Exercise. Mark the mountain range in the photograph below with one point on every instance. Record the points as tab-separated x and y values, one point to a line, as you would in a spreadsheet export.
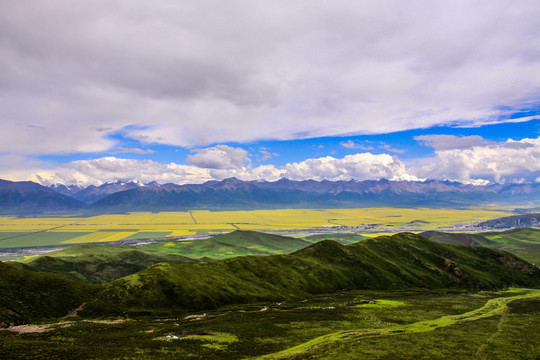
21	197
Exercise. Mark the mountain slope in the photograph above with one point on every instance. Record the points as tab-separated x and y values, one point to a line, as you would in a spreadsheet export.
99	263
516	221
524	242
29	197
27	296
399	262
236	243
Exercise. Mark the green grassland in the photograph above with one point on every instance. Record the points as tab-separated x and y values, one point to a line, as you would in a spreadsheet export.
484	325
342	238
390	297
98	263
523	242
28	296
40	238
236	243
401	261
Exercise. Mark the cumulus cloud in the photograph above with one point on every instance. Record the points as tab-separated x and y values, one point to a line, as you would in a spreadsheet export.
361	166
510	161
219	157
99	171
198	73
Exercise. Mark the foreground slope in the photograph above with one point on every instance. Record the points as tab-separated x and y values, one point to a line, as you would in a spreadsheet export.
236	243
402	261
27	296
99	263
524	242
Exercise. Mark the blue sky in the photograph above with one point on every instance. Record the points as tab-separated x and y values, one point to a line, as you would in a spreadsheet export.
190	92
282	152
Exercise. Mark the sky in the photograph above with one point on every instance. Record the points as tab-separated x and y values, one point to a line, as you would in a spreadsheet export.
191	91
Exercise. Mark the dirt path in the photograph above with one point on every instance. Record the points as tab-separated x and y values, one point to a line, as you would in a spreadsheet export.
493	307
75	311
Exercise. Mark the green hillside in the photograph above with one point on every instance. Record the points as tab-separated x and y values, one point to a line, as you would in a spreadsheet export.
523	242
342	238
27	296
402	261
99	263
236	243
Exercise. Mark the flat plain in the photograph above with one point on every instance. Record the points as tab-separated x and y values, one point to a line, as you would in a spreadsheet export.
43	230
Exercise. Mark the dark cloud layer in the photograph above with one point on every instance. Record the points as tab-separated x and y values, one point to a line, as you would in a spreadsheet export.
195	73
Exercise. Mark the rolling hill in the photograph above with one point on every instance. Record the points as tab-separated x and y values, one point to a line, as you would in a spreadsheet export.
236	243
523	242
98	263
402	261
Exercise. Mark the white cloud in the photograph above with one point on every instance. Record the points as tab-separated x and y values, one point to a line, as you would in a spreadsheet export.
17	167
176	73
359	166
264	155
219	157
510	161
350	144
133	151
446	142
393	149
99	171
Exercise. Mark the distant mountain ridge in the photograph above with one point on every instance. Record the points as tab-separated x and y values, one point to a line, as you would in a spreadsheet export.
93	193
235	194
29	197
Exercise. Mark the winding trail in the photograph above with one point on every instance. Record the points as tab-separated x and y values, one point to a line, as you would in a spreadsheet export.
493	307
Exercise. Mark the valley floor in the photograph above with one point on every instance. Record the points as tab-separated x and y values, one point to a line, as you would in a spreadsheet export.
399	325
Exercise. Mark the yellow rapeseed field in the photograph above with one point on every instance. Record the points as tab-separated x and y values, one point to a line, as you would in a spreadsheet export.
121	226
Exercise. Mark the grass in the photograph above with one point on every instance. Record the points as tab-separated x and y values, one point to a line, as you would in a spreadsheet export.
237	243
246	332
524	242
44	238
398	262
98	263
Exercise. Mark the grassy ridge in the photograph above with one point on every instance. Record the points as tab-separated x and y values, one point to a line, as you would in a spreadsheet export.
398	262
342	238
236	243
99	263
524	242
28	297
